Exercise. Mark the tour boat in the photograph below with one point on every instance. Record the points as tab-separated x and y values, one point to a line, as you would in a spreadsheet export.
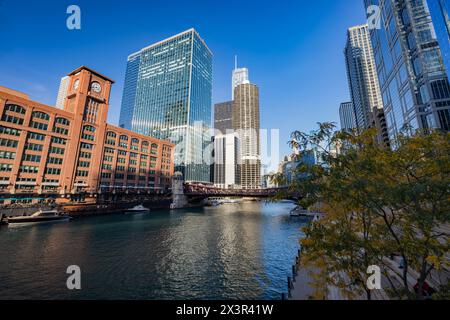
137	209
41	216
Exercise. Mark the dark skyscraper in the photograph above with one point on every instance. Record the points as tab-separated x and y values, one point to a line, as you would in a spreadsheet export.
223	117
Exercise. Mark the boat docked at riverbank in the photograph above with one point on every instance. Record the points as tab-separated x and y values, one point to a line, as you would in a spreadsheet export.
41	216
137	209
304	213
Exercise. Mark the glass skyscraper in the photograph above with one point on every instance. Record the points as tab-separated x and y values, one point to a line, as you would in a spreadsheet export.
168	95
362	76
412	76
440	12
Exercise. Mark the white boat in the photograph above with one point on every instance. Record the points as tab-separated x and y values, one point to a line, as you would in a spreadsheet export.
137	209
41	216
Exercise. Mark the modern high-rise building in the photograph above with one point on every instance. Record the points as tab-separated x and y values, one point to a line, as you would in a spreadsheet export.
362	75
227	161
347	116
246	121
62	92
223	117
412	76
168	95
440	13
239	76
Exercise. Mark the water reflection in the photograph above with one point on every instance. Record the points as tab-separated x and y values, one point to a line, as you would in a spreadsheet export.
235	251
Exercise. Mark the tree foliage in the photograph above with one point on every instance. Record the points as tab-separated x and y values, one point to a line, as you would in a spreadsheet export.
378	203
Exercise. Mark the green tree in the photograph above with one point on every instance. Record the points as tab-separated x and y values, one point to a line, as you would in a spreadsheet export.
378	202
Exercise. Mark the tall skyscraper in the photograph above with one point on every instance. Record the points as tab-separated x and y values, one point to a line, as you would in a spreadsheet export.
412	76
362	75
227	161
440	13
239	76
347	116
168	94
223	117
246	122
62	92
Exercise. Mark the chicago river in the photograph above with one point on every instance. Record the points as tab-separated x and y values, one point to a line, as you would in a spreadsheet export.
234	251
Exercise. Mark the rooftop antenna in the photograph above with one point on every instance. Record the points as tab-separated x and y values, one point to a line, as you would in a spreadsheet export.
235	62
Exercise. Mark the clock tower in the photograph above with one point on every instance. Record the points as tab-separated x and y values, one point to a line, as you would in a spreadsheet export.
88	99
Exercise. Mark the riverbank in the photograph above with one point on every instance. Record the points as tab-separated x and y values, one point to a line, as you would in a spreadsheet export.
81	210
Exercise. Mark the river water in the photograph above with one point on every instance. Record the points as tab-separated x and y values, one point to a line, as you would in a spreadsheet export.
234	251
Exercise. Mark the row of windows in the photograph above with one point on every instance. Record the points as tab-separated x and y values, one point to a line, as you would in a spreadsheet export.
8	143
28	169
7	155
59	140
31	157
54	171
14	108
5	167
36	136
39	125
53	160
10	131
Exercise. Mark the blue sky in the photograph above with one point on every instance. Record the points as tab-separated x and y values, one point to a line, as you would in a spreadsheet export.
294	49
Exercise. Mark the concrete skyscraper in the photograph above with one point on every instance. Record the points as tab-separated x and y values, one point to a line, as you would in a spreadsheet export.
246	121
362	75
62	92
412	75
168	95
347	116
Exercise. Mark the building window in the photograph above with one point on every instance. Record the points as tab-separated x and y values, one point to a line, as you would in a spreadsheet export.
59	140
28	169
53	171
62	121
15	108
57	150
8	143
10	131
53	160
33	147
7	155
85	145
40	115
5	167
12	119
31	158
36	136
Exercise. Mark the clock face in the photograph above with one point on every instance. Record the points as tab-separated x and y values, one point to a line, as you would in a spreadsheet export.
76	84
96	87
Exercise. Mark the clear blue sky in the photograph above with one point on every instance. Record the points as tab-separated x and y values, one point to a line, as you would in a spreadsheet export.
294	49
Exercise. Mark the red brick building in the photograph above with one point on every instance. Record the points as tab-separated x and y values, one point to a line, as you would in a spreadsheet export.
73	154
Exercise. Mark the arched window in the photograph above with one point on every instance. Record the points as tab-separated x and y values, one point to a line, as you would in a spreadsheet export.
123	138
40	115
135	141
89	129
15	108
111	134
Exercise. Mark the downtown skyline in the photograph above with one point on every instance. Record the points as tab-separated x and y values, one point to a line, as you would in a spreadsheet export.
302	47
